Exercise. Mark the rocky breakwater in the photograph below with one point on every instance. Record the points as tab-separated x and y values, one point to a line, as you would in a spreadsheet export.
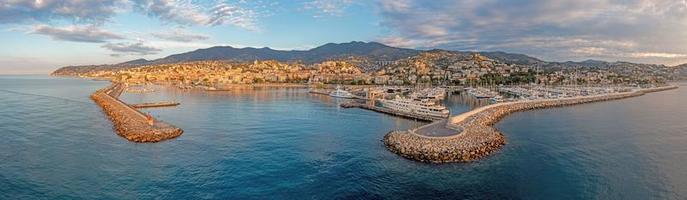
478	138
131	123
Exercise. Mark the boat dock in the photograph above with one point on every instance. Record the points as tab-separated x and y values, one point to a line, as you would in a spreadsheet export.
130	123
372	107
155	104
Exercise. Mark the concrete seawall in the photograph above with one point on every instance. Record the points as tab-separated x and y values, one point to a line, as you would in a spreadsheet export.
129	122
478	138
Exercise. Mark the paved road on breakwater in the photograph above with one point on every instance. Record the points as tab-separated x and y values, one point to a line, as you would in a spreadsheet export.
438	129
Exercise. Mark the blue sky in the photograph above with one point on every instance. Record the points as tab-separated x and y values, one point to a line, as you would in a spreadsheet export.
39	36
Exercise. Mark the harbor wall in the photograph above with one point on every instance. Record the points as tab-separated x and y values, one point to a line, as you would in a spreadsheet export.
478	138
131	123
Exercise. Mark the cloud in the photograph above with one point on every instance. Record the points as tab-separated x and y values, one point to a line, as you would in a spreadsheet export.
396	41
90	34
179	35
96	11
137	48
176	44
658	55
553	30
182	12
328	7
395	6
233	15
189	13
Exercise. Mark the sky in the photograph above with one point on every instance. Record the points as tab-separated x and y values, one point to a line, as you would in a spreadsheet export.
38	36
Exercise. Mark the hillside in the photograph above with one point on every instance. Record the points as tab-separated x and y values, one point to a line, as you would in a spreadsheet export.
512	58
369	50
368	56
363	52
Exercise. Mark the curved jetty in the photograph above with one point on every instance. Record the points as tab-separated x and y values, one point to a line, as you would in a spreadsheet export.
130	123
474	136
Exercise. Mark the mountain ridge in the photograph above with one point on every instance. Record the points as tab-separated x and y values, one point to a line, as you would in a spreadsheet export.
370	51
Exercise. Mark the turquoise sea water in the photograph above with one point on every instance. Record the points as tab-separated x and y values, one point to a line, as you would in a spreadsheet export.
288	144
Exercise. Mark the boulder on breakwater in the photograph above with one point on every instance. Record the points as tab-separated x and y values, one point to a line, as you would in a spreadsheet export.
478	138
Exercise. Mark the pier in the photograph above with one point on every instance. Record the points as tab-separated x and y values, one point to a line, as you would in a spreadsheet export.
372	107
474	136
130	123
155	104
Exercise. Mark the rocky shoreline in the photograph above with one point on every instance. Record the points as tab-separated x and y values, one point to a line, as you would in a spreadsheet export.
478	138
131	123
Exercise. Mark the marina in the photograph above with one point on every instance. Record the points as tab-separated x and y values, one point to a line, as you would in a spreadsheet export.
343	99
474	137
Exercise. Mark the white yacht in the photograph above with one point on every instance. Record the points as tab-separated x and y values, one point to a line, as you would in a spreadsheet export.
423	107
340	93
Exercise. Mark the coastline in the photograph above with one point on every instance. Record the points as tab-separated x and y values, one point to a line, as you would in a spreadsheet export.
129	122
478	138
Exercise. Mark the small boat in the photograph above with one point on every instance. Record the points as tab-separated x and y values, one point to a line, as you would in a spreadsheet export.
497	99
482	93
340	93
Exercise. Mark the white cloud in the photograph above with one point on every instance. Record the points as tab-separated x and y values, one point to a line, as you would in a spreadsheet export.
176	44
93	11
395	6
179	35
328	7
137	48
231	14
658	55
396	41
190	13
97	12
92	34
553	30
591	51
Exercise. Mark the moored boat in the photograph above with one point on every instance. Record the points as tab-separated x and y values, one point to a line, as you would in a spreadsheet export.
341	93
423	107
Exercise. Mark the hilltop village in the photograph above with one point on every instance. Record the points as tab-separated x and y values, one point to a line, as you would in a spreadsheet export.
427	68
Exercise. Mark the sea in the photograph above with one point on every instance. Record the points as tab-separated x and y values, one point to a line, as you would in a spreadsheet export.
284	143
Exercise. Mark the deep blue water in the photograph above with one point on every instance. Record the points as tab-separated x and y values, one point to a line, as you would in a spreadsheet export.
287	144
